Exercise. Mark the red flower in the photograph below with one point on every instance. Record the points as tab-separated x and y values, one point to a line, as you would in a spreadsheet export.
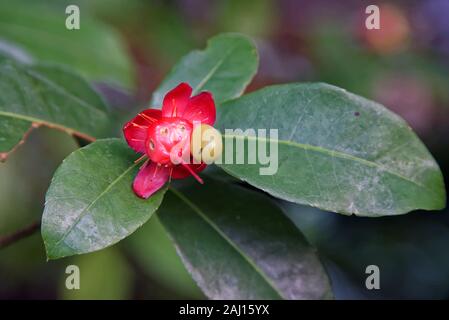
164	137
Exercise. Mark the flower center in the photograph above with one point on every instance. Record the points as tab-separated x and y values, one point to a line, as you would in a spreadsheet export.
168	138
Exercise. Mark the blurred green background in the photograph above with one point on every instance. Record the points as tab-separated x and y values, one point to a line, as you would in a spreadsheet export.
127	46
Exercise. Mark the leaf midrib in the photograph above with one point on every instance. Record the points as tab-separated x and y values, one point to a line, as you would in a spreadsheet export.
60	90
85	210
203	216
333	153
213	70
46	123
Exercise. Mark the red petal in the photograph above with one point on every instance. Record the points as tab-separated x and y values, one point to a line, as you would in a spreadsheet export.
201	108
136	130
179	172
175	101
150	179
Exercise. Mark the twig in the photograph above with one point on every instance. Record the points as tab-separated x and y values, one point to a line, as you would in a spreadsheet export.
19	234
4	155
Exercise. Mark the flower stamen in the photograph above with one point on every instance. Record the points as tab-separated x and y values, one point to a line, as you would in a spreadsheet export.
144	164
143	115
140	158
193	173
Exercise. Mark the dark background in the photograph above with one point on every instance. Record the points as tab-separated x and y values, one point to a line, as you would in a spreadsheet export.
403	66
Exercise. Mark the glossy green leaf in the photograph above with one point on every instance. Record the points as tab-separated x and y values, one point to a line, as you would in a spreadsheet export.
75	84
90	203
237	244
12	132
51	95
95	49
224	68
336	151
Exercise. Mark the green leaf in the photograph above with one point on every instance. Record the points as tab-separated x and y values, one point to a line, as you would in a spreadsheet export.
95	49
337	151
12	132
90	203
75	84
224	68
237	244
51	95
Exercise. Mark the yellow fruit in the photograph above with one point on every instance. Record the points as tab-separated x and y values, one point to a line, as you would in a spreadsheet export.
206	144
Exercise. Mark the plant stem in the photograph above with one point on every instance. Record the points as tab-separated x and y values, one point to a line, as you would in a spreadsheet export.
19	234
4	155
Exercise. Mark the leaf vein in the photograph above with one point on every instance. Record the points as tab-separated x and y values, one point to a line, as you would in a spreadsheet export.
202	215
